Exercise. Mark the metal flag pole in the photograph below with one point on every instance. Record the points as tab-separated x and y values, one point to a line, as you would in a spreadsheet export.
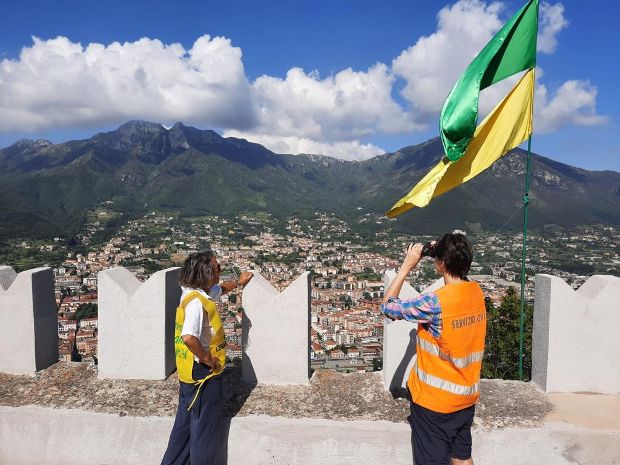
526	202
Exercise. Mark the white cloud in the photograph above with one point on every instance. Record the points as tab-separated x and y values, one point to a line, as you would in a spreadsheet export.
433	64
58	83
345	106
345	150
574	102
552	21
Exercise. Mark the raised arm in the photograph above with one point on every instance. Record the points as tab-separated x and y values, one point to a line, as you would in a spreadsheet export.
412	258
423	309
229	286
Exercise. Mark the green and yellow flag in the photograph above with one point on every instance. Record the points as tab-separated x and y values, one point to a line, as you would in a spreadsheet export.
469	149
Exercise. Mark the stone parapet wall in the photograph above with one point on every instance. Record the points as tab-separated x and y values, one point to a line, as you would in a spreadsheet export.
575	343
136	326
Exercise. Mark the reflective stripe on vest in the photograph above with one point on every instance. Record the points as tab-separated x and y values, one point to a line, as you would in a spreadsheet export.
459	362
444	385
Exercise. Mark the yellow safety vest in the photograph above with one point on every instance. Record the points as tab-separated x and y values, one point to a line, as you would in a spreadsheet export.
184	357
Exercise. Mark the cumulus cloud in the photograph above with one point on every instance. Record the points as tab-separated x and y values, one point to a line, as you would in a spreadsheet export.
433	64
574	102
345	150
58	83
552	21
304	113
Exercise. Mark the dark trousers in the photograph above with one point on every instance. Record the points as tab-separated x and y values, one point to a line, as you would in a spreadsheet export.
435	437
195	436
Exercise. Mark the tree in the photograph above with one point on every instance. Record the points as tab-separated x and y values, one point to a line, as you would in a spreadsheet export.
486	270
85	311
346	299
501	356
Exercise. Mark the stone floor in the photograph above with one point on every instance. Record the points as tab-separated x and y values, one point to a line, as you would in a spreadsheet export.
330	395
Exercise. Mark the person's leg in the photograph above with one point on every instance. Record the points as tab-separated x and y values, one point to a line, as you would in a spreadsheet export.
177	452
206	423
460	451
454	461
430	444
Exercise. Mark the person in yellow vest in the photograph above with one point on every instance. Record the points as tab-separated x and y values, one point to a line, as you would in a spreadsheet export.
200	352
444	381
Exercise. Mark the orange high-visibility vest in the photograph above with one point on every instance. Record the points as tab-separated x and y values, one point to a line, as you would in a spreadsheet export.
446	375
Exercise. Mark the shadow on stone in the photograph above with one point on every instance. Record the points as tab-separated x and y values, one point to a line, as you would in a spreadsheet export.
248	375
236	393
239	382
396	384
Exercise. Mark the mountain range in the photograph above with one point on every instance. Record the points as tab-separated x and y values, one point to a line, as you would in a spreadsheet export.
46	189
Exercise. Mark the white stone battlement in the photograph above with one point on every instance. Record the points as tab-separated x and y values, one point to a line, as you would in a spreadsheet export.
575	343
276	332
136	324
338	418
28	308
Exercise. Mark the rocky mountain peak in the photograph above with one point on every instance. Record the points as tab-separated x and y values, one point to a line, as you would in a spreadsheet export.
29	144
137	127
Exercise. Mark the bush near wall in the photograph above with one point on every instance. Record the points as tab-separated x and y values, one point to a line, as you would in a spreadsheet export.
501	356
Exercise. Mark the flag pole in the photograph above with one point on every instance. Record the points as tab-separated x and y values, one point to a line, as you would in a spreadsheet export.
526	202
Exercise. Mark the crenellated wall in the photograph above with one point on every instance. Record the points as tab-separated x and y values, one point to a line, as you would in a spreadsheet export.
575	342
28	317
136	324
575	348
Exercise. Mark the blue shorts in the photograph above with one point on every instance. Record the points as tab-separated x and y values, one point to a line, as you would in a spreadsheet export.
435	437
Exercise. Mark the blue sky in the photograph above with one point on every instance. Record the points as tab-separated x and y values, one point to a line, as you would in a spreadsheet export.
346	78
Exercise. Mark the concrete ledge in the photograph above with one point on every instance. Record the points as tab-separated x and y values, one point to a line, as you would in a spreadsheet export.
336	419
37	435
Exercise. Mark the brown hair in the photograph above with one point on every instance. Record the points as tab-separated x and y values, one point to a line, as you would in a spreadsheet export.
456	253
197	271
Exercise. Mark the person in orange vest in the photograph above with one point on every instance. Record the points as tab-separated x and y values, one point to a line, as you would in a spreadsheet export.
200	353
444	381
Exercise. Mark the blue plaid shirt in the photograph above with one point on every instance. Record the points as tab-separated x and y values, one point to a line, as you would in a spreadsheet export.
424	310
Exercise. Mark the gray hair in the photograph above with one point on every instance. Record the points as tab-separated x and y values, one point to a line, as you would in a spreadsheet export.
197	271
